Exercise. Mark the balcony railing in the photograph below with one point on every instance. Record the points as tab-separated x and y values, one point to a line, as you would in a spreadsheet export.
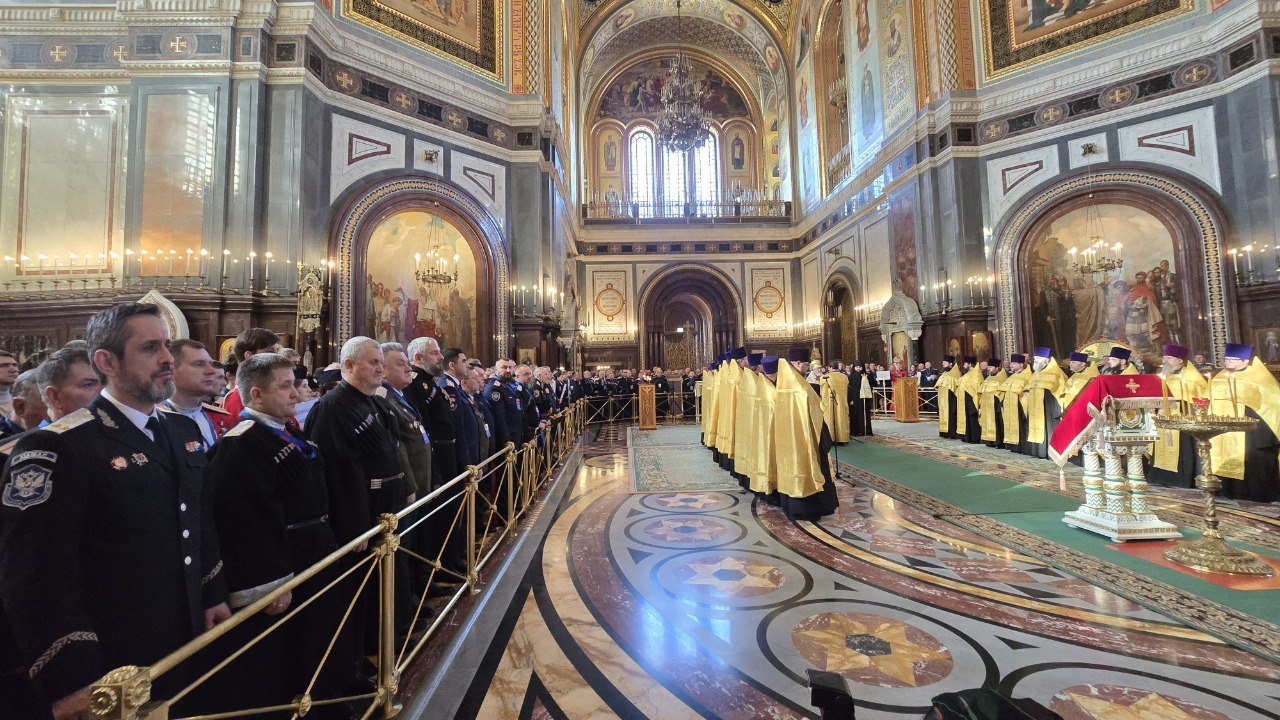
622	212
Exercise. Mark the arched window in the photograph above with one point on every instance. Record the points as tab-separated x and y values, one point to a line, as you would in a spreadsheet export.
640	156
675	181
706	175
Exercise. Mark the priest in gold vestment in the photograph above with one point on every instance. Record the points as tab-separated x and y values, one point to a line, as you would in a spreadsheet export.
727	406
1173	460
968	427
835	405
801	444
744	437
1082	373
1118	363
1042	402
709	404
948	385
1247	461
764	472
1015	419
989	405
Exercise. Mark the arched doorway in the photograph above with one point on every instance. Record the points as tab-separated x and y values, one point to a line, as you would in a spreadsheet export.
1163	285
376	238
839	320
687	314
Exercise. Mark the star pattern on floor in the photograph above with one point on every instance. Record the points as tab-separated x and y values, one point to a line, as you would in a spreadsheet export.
851	642
685	530
691	501
734	576
1152	706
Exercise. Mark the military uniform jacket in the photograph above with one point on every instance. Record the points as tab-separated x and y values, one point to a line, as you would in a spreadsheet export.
529	429
271	505
425	395
415	441
660	384
484	421
106	546
362	459
508	412
542	398
464	420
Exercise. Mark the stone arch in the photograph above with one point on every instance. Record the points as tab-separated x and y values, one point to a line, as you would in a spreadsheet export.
374	202
841	293
1192	217
711	285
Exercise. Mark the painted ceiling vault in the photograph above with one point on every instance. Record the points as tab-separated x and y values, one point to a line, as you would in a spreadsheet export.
777	12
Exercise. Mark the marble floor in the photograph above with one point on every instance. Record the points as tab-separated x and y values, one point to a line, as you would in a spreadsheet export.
706	604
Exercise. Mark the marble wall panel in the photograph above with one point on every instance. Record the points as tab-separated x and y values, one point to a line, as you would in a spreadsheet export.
178	166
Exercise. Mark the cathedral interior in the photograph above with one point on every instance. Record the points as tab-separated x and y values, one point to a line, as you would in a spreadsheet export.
600	185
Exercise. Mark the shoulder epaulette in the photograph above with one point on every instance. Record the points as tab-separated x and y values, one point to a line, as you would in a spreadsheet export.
239	428
215	408
75	419
380	392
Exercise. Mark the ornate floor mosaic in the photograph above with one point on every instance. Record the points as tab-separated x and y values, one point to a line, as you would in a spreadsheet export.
705	604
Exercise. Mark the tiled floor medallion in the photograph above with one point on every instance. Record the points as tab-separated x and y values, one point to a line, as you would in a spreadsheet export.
872	649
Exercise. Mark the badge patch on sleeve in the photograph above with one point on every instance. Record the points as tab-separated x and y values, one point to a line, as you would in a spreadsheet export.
28	486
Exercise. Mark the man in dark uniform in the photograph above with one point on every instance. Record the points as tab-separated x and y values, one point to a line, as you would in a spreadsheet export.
529	428
101	574
662	387
505	403
271	505
464	419
861	401
474	384
542	396
415	459
426	396
362	467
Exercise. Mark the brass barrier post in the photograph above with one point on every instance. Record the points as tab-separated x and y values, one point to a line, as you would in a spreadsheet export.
526	487
388	678
473	486
509	469
120	694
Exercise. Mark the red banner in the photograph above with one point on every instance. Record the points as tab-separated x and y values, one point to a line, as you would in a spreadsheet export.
1080	421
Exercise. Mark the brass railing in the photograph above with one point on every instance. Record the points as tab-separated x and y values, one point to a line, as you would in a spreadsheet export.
672	406
482	520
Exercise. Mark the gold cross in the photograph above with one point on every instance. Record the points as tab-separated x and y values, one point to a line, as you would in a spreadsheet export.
58	53
991	131
178	44
345	80
1133	386
1051	113
1118	95
404	100
121	53
1194	74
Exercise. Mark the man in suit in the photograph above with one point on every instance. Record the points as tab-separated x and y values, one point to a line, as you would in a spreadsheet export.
195	381
102	574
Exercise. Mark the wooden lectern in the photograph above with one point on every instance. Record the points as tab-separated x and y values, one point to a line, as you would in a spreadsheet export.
648	407
906	400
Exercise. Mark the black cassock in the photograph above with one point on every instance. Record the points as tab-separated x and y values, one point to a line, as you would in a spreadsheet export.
860	408
972	427
820	504
1052	416
271	506
1261	481
999	413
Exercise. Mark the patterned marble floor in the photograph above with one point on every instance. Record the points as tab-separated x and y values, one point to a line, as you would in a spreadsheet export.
709	605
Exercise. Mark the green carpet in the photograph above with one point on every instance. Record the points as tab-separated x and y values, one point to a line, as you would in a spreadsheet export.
1039	513
672	459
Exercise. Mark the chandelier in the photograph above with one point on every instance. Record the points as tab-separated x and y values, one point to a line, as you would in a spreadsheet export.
1098	257
432	269
682	122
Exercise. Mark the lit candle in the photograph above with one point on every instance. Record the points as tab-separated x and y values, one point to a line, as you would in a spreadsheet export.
56	259
187	271
266	280
329	282
42	257
1235	262
561	306
111	257
223	272
252	256
172	253
1118	247
128	254
204	259
417	262
991	291
1248	259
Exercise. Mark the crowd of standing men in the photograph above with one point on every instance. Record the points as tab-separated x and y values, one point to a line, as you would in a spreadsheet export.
149	491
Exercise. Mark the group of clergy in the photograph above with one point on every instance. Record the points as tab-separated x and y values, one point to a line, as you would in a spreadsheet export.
979	402
765	425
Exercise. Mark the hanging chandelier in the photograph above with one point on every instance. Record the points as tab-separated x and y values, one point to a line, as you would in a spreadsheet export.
1098	257
682	122
432	269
